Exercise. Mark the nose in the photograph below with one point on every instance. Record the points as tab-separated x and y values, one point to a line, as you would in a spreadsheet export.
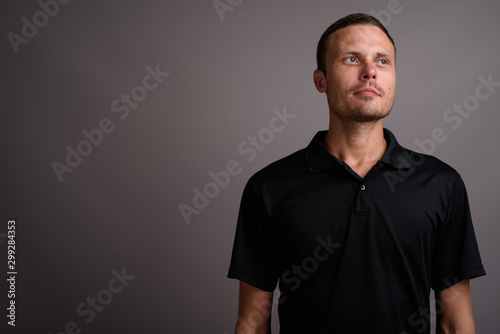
369	72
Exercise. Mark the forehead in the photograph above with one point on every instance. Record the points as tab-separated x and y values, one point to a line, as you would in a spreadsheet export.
361	38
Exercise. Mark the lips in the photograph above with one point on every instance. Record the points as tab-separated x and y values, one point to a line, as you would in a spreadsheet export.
366	92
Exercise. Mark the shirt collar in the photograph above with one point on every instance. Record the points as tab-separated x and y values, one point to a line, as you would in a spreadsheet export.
319	159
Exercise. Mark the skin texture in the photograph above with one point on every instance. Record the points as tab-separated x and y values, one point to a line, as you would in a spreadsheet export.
253	310
454	310
359	83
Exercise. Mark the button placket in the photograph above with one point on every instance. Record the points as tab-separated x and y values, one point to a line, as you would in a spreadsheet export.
361	200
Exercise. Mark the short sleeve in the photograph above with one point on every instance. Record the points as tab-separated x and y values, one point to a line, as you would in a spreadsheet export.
254	256
456	253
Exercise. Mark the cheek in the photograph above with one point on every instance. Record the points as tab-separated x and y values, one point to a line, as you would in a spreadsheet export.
390	86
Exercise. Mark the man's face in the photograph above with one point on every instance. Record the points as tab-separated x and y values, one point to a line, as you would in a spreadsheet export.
360	74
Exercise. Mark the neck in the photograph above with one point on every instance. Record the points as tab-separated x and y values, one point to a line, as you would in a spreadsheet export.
359	144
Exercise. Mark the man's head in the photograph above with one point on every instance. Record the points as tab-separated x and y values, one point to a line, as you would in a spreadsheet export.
356	68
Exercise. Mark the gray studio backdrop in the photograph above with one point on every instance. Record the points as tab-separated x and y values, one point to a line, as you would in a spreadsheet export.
129	129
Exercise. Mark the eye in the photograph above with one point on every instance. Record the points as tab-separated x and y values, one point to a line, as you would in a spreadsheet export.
350	60
383	61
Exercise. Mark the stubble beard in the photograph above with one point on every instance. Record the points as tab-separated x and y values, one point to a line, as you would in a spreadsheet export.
365	114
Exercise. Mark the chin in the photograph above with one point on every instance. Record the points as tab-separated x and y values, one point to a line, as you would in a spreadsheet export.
362	114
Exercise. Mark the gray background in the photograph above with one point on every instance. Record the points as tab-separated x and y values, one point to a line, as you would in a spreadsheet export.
119	207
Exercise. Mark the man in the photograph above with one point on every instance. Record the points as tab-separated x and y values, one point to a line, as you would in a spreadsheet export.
356	228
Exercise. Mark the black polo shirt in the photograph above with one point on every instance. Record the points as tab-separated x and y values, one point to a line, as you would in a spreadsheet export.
351	254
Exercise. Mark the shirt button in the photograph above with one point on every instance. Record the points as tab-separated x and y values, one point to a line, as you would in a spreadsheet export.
363	187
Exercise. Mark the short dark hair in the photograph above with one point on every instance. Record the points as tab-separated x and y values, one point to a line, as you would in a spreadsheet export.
349	20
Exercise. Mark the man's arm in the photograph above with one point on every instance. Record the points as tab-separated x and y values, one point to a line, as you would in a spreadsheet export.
254	309
455	311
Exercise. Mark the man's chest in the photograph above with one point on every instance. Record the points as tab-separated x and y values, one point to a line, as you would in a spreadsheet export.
364	215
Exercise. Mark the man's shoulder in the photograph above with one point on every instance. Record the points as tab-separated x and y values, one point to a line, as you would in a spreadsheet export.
410	162
296	165
430	165
429	161
291	165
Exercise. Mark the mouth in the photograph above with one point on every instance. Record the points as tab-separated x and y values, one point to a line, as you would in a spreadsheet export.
367	92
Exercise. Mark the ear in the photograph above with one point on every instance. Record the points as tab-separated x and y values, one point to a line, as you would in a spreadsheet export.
319	81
